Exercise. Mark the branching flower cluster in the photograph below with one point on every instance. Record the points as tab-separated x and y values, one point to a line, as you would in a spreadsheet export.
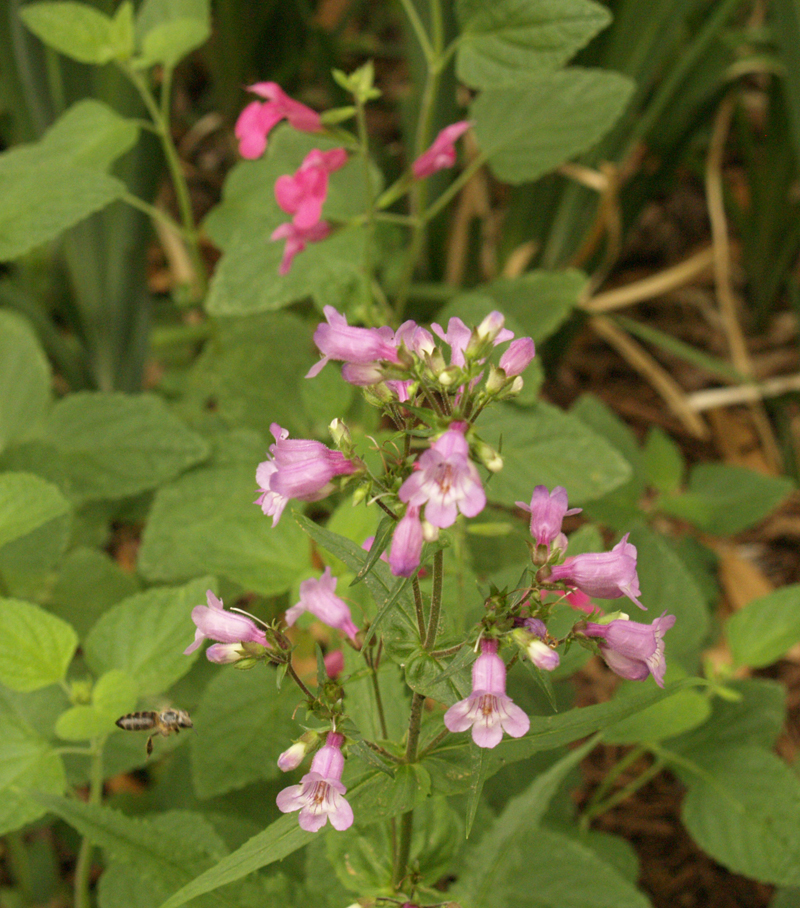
431	385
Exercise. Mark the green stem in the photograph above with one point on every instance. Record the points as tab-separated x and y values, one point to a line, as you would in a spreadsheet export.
155	213
376	687
369	239
436	600
296	678
434	743
621	795
613	774
419	608
407	820
455	187
83	866
419	29
20	865
160	117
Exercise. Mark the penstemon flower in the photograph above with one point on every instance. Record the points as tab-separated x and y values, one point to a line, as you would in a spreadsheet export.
230	629
604	575
445	480
318	597
633	650
340	341
518	356
487	710
531	640
298	468
548	510
320	795
406	544
258	118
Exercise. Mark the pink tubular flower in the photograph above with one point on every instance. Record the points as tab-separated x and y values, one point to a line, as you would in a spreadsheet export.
456	337
257	120
581	602
334	663
214	623
445	480
548	510
319	598
304	193
487	710
406	544
531	639
297	238
606	575
320	795
298	468
632	650
518	356
442	153
338	340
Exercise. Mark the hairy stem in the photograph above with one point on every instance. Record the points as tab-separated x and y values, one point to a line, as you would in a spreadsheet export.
436	600
407	821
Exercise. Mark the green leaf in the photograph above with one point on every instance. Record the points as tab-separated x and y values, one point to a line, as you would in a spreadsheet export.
176	849
122	30
480	766
766	628
145	636
746	814
115	445
206	521
505	42
243	724
447	681
77	30
74	153
34	211
27	762
544	446
36	648
167	30
528	130
663	461
499	869
449	765
246	280
113	695
26	503
24	380
251	372
88	583
724	499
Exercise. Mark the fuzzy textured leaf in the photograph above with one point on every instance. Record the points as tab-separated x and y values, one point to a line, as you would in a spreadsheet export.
26	503
36	648
766	628
24	380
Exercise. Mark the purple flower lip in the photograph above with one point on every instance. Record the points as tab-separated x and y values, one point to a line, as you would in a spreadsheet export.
633	650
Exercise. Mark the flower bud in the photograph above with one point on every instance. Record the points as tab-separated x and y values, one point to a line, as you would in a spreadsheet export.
488	456
290	759
541	655
341	435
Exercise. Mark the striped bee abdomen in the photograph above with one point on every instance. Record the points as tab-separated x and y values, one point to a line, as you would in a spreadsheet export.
137	721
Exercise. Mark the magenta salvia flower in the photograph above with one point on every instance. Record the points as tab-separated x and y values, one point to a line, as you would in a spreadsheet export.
214	623
445	480
338	340
303	194
487	710
297	238
320	795
606	575
406	544
633	650
548	510
318	597
442	153
298	468
518	356
257	120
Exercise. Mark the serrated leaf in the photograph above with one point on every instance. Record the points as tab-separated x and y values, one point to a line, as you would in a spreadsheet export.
24	380
77	30
243	726
26	503
761	632
145	636
115	445
526	131
207	521
36	648
724	499
27	762
505	42
745	815
544	446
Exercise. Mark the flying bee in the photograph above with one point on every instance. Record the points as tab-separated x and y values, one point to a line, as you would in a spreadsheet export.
164	723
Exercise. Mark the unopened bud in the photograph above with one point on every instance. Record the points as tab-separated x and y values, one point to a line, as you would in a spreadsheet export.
449	376
290	759
488	330
512	389
488	456
541	655
430	533
341	436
